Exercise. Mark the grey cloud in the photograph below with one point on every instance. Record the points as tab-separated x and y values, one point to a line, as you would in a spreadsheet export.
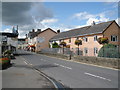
16	13
27	15
24	12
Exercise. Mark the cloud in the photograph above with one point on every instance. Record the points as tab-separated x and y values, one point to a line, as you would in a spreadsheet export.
82	15
118	21
90	17
47	21
16	13
8	30
24	12
27	15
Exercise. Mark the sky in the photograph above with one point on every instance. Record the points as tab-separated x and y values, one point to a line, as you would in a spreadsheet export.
55	15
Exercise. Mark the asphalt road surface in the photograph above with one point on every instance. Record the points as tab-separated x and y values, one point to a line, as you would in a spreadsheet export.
72	74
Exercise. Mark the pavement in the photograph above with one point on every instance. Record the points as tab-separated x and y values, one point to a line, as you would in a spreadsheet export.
72	74
22	75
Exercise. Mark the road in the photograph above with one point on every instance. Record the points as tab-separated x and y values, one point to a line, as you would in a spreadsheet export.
21	75
72	74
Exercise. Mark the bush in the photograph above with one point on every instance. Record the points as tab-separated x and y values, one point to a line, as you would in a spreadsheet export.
110	51
55	45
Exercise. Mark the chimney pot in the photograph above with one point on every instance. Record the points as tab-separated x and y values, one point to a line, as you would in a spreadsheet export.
93	23
33	30
39	30
58	31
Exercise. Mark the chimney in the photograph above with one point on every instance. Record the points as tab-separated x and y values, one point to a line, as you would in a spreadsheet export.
39	30
93	23
33	30
58	31
17	27
26	35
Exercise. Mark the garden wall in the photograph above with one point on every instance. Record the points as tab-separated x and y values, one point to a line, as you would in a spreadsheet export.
107	62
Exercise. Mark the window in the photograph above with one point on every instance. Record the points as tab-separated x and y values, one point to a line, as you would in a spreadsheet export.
85	39
86	50
95	38
70	40
95	50
77	38
114	38
59	40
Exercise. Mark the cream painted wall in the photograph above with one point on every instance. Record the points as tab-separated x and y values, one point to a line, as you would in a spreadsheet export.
90	44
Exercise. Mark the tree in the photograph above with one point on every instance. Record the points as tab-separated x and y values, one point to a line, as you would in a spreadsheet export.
78	42
110	51
63	44
55	45
103	41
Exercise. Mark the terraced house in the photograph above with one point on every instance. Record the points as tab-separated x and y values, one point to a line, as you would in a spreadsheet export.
38	40
89	36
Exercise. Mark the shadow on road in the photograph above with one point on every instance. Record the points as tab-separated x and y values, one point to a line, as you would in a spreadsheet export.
36	66
5	67
22	54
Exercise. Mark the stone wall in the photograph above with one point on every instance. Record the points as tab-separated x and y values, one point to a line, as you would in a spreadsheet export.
107	62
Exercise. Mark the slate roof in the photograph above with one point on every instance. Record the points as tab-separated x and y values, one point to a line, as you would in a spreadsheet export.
34	34
87	30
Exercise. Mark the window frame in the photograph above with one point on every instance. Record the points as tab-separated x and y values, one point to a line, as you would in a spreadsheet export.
95	37
85	39
86	49
69	40
95	50
114	38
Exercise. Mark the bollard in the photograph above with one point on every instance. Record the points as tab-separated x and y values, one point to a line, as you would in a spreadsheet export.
69	57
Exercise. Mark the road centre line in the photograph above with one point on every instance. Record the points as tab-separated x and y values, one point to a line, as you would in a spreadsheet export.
97	76
63	66
25	62
42	59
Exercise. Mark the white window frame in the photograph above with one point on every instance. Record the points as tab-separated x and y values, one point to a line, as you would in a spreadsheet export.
77	38
95	37
85	39
86	50
69	40
95	50
114	36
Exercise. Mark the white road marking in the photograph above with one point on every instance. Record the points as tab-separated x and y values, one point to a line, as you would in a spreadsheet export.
25	62
62	66
97	76
31	64
56	64
42	59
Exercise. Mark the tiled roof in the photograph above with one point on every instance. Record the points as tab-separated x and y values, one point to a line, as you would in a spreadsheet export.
87	30
34	34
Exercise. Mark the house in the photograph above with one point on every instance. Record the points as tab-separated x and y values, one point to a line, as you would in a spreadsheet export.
89	36
9	41
40	39
21	43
